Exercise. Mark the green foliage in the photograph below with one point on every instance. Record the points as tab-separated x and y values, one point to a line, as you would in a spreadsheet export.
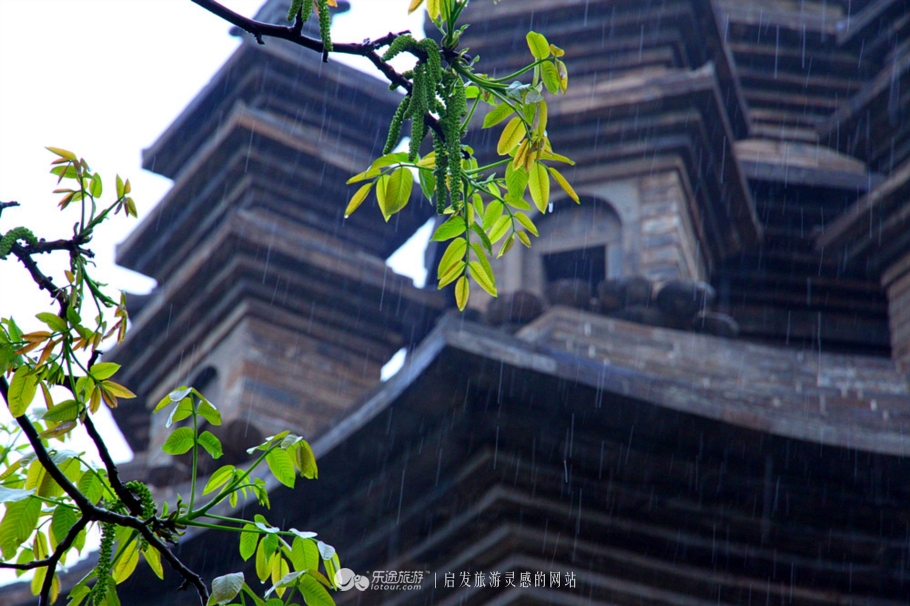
44	520
442	82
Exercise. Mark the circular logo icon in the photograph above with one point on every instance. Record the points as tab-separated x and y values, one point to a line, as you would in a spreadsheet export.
346	579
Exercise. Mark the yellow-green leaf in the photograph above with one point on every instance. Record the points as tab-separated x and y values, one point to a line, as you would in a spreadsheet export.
62	153
550	77
538	44
357	199
396	193
454	253
434	8
450	276
281	467
126	562
497	115
523	236
219	478
448	230
511	136
563	184
118	390
500	228
154	561
249	539
485	280
539	185
526	222
179	442
367	174
262	563
305	460
507	245
22	391
462	292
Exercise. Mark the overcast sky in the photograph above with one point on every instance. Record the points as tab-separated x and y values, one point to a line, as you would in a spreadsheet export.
103	78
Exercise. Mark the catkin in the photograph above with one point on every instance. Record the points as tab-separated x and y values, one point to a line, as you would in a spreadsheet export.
325	25
439	172
395	127
17	233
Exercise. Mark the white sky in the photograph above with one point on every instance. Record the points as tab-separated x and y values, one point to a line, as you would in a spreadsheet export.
103	78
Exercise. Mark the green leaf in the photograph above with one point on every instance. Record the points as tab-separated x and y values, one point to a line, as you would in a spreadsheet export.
67	410
21	391
18	523
211	443
492	213
484	280
396	193
484	238
538	44
497	115
451	275
305	460
462	292
511	136
179	442
249	539
539	185
448	230
209	412
516	182
506	245
54	322
563	184
484	262
96	186
526	222
262	563
104	370
357	199
367	174
500	228
389	159
62	520
523	236
281	467
304	554
550	77
314	594
454	253
427	183
181	411
13	495
225	588
154	561
221	476
90	486
126	562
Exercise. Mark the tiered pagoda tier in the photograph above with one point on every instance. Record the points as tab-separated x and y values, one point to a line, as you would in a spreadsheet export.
267	299
710	128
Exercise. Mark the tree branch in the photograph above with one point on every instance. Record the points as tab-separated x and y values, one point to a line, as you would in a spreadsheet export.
93	513
294	34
